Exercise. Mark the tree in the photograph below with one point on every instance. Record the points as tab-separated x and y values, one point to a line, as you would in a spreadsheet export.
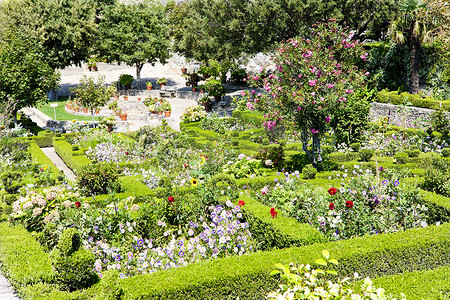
419	23
65	28
93	95
135	33
25	74
221	30
311	84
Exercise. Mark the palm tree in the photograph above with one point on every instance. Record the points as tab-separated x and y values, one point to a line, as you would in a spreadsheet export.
409	28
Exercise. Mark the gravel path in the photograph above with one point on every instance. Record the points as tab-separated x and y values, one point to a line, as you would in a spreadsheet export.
6	291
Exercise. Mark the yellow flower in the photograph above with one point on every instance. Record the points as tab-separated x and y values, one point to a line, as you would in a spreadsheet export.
85	122
203	160
45	167
194	182
74	120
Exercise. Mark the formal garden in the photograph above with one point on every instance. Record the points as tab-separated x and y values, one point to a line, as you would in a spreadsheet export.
302	192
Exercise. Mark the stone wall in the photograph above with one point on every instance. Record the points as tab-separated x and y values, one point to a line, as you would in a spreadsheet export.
405	116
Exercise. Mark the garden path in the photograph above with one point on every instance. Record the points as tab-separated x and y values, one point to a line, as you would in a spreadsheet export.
54	157
6	291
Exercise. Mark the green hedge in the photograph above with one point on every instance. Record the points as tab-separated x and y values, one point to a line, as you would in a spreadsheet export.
23	259
247	277
279	232
72	159
44	139
395	98
431	284
132	186
438	207
249	116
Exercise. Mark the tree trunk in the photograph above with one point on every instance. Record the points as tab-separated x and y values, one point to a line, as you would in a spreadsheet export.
139	66
415	60
15	117
314	156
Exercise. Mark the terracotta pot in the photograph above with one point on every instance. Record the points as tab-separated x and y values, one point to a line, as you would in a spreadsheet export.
149	88
123	117
77	109
125	98
139	98
97	111
85	110
194	89
116	97
153	111
159	113
183	70
167	114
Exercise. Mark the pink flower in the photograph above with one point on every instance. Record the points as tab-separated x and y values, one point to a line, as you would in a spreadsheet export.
314	131
330	86
312	82
300	76
327	119
349	91
265	190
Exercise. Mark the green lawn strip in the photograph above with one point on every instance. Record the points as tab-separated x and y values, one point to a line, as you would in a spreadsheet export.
23	259
418	285
62	114
248	277
40	158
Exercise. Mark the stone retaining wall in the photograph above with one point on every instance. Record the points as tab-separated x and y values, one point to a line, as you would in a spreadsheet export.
405	116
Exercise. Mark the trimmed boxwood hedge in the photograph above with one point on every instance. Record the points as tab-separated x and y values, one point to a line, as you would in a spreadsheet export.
430	284
247	277
71	158
395	98
279	232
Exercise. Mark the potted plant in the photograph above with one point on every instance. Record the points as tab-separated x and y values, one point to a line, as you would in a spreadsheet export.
183	70
215	88
85	110
112	105
107	122
125	97
118	111
159	108
149	85
201	88
126	80
92	64
162	82
97	110
167	109
205	101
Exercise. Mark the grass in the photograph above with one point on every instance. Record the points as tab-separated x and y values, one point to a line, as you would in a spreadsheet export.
61	113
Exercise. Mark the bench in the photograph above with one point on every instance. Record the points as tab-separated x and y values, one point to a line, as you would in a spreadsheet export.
167	93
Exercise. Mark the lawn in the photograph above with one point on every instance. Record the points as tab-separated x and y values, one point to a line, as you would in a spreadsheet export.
61	113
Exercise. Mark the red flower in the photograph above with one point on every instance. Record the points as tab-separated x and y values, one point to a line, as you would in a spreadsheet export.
273	212
349	204
331	206
170	199
241	203
332	191
78	204
126	153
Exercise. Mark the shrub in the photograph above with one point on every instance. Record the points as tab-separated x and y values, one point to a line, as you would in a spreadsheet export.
272	156
193	114
401	158
437	178
355	146
98	179
296	162
338	157
413	153
446	152
309	172
365	154
74	267
327	149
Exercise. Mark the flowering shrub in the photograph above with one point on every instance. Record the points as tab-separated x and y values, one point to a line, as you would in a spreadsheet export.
243	167
225	234
35	209
304	282
312	81
193	114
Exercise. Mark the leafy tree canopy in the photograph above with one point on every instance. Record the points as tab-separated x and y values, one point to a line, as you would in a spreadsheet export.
134	33
217	29
25	74
65	28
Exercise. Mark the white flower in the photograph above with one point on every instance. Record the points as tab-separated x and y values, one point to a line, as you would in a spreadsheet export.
27	205
268	162
37	211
